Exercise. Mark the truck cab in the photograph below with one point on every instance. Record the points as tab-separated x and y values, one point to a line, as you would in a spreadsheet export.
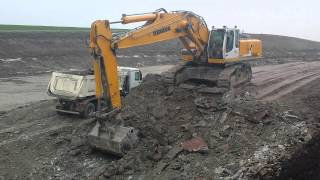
128	79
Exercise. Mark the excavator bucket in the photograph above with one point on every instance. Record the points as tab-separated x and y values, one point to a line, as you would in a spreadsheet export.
114	140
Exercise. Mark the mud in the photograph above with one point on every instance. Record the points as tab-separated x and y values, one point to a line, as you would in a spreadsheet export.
273	82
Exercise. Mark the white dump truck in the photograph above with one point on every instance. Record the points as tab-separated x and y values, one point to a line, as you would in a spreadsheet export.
75	90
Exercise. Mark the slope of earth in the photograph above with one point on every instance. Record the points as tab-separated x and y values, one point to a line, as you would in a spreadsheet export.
29	53
304	164
281	49
245	139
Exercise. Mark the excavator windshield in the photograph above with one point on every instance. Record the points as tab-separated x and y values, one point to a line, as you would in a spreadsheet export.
215	45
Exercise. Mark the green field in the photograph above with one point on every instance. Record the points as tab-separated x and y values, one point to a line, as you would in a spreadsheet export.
25	28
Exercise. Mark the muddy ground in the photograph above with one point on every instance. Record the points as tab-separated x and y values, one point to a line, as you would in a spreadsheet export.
269	131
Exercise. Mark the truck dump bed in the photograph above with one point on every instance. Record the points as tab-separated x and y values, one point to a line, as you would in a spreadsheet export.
72	85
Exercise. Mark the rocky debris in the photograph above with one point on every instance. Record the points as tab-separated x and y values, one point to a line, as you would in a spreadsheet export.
242	139
195	144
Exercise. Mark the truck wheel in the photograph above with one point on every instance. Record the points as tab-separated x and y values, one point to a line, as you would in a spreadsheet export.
88	110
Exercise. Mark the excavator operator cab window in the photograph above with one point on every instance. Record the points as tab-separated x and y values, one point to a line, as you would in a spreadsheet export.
230	41
215	46
237	38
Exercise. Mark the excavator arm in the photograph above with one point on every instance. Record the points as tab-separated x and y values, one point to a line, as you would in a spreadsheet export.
160	25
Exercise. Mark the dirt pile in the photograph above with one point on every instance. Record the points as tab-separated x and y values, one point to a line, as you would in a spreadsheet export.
243	139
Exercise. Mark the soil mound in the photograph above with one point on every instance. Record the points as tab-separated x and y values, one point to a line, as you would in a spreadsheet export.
189	135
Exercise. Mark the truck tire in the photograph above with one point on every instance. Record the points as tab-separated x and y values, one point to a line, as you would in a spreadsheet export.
88	109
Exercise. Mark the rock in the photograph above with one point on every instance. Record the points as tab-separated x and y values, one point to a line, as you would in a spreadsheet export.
159	112
195	144
187	86
226	127
16	132
95	173
76	142
287	115
213	90
173	152
258	117
75	152
160	167
170	90
205	103
222	171
102	178
201	123
224	117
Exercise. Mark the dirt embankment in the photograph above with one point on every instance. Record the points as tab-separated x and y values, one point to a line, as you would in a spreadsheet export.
29	53
275	46
304	163
282	49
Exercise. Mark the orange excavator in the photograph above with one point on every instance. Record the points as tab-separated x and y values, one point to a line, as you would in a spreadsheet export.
216	57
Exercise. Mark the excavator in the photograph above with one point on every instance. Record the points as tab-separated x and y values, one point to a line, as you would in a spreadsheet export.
218	58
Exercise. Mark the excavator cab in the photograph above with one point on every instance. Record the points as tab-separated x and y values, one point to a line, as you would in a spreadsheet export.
223	44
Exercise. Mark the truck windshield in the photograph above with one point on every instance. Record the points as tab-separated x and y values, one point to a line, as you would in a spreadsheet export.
215	46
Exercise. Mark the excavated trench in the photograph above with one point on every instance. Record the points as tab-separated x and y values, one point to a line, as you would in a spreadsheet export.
304	164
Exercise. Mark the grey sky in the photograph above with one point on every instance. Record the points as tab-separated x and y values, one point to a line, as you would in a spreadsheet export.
299	18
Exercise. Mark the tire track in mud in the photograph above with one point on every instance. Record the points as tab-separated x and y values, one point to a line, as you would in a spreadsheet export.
275	81
35	134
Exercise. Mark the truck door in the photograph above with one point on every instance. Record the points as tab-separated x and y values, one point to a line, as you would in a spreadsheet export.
136	78
126	84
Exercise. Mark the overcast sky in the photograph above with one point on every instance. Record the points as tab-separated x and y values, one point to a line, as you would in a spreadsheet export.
299	18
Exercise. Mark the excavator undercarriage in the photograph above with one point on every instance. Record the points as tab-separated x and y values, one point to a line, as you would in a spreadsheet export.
222	76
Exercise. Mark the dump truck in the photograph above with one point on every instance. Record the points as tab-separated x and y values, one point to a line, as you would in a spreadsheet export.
75	90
